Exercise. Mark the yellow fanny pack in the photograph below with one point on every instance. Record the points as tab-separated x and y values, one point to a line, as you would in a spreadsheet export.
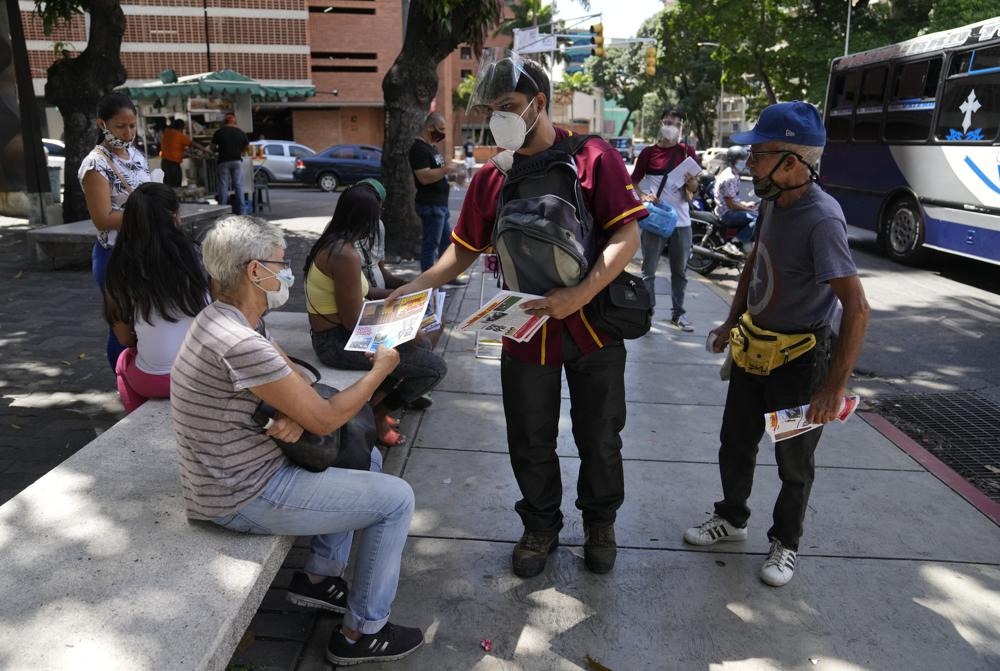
759	351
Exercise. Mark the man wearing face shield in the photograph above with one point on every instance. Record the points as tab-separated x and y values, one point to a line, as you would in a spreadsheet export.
515	95
796	278
651	167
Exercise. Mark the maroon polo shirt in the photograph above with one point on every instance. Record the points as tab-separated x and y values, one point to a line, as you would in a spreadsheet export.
613	203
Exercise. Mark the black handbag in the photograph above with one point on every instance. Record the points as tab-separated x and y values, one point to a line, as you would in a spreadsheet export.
622	309
350	446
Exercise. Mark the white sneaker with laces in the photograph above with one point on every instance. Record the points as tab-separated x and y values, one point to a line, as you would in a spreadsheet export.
779	567
683	323
712	531
732	250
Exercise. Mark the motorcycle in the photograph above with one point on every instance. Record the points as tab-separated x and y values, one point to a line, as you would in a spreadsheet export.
712	242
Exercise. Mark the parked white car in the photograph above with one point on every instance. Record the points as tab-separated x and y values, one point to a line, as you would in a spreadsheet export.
279	159
55	152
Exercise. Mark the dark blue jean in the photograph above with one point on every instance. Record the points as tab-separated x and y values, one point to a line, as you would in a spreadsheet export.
742	219
437	233
98	262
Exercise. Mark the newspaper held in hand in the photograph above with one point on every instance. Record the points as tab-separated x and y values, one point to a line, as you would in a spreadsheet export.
504	316
784	424
388	324
434	317
679	175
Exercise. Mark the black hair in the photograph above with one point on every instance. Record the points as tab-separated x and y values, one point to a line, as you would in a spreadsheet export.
540	84
178	124
673	111
109	106
356	218
154	265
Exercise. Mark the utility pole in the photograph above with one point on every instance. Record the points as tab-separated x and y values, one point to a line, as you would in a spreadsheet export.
847	35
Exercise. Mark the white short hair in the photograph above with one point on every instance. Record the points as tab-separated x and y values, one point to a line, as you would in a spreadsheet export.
809	153
234	241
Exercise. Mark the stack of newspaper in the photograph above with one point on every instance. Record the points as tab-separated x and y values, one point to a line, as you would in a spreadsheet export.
434	317
503	316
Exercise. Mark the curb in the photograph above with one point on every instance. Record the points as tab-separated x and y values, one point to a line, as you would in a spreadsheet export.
936	467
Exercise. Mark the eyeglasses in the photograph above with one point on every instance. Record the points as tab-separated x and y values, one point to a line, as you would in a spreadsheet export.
752	156
285	263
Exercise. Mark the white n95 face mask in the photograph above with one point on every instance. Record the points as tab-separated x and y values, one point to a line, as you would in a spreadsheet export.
669	133
509	129
278	297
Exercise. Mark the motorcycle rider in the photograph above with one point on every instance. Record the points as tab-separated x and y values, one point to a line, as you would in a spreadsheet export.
734	213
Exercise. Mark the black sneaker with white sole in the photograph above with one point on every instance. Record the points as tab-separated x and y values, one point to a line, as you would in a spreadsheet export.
392	642
330	594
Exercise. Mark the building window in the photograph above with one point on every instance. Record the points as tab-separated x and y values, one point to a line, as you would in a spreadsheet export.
465	73
465	53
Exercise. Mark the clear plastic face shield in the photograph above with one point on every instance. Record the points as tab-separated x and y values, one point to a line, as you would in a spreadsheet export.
500	72
504	91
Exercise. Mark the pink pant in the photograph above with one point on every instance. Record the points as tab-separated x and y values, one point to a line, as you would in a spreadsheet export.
136	387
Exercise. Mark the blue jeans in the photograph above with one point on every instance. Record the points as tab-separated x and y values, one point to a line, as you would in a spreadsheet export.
330	506
98	263
742	219
437	233
231	174
678	252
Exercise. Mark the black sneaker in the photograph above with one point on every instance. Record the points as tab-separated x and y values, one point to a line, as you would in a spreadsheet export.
599	547
532	551
331	594
455	283
392	642
422	402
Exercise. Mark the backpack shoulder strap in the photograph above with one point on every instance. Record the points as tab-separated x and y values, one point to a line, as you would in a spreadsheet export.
573	143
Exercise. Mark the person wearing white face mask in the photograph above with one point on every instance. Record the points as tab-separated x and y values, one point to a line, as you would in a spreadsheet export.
236	476
651	167
108	175
515	94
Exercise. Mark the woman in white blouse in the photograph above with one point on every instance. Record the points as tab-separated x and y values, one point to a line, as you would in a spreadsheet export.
109	174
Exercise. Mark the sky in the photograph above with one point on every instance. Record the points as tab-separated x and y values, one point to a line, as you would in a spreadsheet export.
617	23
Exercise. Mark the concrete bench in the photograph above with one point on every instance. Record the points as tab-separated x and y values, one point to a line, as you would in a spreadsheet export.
102	569
73	241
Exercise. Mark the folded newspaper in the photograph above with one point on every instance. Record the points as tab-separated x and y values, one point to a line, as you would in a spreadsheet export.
388	324
434	317
785	424
503	315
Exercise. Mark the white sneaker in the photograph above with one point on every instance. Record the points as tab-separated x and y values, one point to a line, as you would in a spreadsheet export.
712	531
683	323
779	567
732	250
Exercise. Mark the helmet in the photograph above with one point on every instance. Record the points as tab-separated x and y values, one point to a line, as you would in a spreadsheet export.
735	154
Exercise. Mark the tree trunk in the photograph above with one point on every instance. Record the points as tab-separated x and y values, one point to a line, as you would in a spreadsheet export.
75	85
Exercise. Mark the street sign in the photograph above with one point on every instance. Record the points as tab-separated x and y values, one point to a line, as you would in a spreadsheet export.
530	41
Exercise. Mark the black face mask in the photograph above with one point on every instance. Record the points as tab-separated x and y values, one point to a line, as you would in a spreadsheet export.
436	136
766	189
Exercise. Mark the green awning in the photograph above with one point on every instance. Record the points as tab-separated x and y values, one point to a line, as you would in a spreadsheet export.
217	84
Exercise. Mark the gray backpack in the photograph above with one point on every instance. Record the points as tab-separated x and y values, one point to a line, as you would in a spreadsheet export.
544	234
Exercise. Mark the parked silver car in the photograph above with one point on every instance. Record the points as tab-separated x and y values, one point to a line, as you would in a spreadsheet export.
279	160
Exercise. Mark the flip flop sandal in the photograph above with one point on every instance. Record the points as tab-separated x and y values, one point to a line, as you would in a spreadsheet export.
392	438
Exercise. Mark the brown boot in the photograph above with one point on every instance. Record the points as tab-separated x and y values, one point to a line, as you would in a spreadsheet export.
599	547
532	551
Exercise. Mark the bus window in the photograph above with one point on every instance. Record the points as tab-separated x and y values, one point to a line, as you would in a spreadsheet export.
843	95
868	119
911	106
970	102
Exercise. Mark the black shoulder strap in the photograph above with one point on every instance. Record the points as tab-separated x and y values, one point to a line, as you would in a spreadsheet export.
571	144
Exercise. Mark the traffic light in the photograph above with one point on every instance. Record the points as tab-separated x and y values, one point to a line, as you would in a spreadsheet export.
597	39
650	61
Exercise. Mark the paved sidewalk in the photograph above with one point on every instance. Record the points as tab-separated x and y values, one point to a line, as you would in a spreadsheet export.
896	571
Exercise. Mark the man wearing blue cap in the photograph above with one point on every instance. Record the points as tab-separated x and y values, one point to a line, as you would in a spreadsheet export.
780	331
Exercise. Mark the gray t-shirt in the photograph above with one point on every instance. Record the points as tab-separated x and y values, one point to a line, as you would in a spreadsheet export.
801	248
225	458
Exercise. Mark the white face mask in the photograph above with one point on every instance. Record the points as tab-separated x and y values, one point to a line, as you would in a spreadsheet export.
278	297
509	129
113	140
669	133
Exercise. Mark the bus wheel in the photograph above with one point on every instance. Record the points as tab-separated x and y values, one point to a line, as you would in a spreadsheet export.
904	233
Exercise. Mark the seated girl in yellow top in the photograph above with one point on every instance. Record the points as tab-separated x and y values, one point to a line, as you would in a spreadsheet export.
335	290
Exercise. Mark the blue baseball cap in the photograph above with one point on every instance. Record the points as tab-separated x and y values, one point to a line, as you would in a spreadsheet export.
796	122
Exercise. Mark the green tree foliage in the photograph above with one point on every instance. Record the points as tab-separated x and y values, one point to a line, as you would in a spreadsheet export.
955	13
74	85
434	29
526	13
